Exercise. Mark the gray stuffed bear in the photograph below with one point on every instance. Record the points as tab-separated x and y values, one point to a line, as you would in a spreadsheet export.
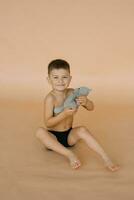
70	100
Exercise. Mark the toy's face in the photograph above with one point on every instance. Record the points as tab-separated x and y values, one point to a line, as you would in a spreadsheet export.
59	79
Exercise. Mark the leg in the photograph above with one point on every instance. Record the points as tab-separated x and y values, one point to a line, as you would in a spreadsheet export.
84	134
51	142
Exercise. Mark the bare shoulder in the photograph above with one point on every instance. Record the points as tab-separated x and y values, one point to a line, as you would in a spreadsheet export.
48	106
49	98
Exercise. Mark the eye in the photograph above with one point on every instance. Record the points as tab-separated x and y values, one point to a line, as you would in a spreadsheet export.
65	76
55	77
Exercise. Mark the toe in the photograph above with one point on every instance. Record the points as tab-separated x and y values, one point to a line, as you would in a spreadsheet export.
113	168
76	164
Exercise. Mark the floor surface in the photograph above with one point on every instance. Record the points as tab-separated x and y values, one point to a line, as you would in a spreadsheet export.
28	171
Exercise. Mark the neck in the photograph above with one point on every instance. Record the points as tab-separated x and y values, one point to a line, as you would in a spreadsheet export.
60	93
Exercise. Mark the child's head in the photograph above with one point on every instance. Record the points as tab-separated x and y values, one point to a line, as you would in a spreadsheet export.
59	74
58	64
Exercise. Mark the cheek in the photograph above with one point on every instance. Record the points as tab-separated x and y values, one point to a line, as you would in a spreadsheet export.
68	81
52	83
53	80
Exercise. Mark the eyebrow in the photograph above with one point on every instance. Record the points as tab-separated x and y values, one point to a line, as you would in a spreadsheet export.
61	75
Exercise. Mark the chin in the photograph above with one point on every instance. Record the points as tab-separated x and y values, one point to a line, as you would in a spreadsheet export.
61	88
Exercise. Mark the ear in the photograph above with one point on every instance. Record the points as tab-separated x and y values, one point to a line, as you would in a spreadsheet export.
48	79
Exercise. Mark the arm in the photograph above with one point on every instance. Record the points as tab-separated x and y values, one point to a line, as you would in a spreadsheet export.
85	102
50	120
89	105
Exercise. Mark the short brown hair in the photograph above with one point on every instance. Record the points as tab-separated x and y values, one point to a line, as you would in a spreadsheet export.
58	64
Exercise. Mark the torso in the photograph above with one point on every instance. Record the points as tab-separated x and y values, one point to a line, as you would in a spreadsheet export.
67	122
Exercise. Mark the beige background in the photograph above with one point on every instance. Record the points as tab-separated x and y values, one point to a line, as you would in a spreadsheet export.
96	38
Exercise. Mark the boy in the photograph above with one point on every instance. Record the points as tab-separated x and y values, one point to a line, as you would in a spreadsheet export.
60	134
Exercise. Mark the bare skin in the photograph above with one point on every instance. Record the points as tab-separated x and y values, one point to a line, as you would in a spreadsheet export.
59	80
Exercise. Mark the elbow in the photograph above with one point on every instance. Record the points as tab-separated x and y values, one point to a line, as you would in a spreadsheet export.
92	107
48	124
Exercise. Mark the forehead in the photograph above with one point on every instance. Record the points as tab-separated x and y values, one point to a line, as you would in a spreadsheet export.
59	72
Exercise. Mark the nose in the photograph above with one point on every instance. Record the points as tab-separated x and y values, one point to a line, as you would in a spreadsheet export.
60	80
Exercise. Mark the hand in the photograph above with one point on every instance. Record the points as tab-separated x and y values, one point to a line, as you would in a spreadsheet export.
69	111
81	100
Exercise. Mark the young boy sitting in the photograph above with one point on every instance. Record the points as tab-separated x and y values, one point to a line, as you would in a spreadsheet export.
59	133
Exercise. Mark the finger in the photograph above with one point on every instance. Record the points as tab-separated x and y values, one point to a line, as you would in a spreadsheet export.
72	109
82	98
77	101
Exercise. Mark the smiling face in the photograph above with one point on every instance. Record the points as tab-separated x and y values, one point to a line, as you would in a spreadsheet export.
59	79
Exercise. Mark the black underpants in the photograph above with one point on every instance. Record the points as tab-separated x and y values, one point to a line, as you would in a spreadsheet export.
62	136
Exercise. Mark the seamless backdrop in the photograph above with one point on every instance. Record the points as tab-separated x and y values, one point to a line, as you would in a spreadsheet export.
96	38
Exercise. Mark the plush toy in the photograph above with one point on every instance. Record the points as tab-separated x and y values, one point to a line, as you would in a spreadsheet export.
70	100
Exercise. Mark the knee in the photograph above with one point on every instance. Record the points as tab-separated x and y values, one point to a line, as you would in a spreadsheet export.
82	131
39	132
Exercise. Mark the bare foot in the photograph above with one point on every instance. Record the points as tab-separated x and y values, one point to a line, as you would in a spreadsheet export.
113	167
74	161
